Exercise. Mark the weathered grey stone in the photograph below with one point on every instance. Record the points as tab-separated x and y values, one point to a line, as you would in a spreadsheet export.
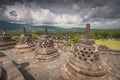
103	47
64	43
45	50
85	63
6	41
87	31
9	70
25	43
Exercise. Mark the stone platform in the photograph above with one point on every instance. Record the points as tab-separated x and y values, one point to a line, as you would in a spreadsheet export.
8	69
34	70
7	46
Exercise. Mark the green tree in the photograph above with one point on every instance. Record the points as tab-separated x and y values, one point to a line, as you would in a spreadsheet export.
34	36
15	38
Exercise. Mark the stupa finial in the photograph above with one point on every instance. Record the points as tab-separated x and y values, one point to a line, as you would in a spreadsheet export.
87	31
46	31
24	30
4	31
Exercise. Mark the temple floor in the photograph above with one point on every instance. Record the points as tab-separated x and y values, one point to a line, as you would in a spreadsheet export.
113	62
33	70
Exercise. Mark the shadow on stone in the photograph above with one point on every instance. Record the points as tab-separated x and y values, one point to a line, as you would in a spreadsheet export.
23	71
2	55
3	75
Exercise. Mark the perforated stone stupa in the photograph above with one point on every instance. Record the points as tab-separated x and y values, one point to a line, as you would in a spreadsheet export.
58	42
6	41
66	40
45	50
25	43
85	63
66	43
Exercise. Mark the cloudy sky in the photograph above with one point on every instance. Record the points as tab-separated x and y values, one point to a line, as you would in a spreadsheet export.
63	13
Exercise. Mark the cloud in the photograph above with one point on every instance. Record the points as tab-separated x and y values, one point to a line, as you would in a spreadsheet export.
13	13
36	15
65	13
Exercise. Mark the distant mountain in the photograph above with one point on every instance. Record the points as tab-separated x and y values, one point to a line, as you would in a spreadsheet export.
18	27
9	26
14	26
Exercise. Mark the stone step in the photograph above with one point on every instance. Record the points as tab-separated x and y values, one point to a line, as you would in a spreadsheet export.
11	70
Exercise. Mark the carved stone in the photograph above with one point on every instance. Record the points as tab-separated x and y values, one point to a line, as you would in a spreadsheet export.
8	70
45	50
6	41
85	63
25	43
87	31
66	43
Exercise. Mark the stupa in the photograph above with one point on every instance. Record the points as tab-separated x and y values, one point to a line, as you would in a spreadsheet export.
58	43
66	40
6	41
66	43
85	62
103	47
45	50
25	43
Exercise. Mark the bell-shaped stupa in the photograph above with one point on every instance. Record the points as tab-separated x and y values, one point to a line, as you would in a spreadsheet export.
25	43
66	43
66	40
45	50
85	62
6	41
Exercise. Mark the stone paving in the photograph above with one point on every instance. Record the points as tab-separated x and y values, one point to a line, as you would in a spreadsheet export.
33	70
113	61
38	70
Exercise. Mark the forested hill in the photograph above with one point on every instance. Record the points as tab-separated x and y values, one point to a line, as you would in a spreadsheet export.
14	26
18	27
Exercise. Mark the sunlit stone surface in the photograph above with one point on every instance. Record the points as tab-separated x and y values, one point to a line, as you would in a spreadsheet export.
25	43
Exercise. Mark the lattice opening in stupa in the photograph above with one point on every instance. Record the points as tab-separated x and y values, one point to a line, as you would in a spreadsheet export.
45	50
25	43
